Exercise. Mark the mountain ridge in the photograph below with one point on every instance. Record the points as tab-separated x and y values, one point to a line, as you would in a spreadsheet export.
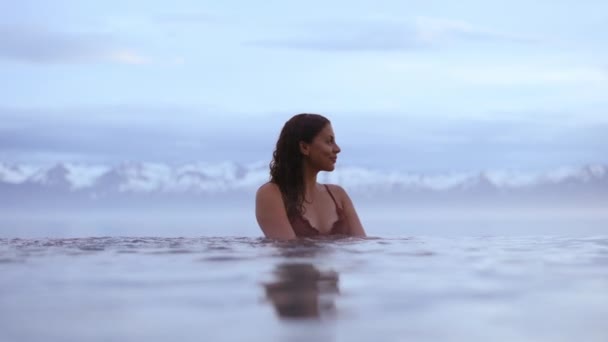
226	177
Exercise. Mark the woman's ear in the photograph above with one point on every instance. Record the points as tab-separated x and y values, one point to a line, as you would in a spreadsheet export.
304	148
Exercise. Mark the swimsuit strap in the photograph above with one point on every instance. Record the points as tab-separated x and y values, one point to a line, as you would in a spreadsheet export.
332	196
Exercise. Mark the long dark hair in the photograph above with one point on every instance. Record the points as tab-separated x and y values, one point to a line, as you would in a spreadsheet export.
286	167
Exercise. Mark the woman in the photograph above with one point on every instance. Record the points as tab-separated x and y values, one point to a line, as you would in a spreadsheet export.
293	204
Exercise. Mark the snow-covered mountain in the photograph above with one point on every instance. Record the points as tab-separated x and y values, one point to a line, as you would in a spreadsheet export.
135	178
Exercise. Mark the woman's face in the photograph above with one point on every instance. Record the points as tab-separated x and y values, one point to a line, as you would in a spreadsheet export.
322	152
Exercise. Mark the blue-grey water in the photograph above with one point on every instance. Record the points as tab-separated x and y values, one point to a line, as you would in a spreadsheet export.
411	288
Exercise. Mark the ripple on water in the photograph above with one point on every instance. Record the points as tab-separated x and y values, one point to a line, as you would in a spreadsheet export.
223	258
387	281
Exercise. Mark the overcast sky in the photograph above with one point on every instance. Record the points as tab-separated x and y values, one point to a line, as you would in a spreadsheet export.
414	85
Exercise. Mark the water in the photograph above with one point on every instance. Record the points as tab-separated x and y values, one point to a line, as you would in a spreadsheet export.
418	288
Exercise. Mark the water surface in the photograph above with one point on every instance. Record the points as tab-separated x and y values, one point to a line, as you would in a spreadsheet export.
422	288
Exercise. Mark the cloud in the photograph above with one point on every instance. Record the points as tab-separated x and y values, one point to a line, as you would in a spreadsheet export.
174	134
382	34
128	57
504	74
436	30
186	18
370	38
41	46
167	133
532	75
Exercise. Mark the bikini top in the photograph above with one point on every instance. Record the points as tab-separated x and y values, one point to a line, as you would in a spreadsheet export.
302	227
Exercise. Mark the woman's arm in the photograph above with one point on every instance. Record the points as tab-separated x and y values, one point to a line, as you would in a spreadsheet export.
270	213
354	224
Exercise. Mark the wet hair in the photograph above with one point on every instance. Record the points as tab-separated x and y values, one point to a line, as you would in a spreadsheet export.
286	167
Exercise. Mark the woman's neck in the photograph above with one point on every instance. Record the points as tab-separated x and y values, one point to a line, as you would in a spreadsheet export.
310	182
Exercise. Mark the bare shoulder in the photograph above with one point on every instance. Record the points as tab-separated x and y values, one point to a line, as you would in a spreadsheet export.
269	199
268	190
338	191
270	213
335	187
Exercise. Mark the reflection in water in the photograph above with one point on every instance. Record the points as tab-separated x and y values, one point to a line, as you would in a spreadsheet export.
304	248
302	291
